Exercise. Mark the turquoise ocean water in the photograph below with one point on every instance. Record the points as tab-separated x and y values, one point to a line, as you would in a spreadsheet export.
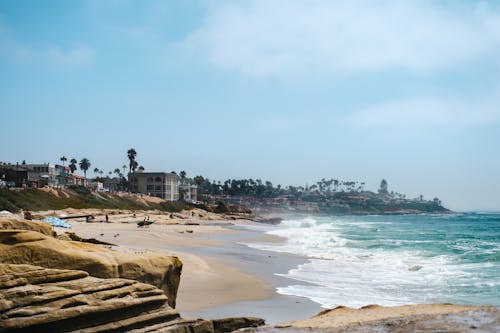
393	260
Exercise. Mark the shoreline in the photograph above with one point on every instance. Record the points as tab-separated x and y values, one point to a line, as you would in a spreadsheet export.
225	280
221	277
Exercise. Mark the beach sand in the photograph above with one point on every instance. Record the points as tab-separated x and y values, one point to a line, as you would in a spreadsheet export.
221	277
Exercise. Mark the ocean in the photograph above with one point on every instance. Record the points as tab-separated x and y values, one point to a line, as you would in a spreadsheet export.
392	260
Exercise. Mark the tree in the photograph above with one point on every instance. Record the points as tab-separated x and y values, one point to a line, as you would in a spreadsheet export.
199	180
72	165
96	171
117	172
84	165
63	159
134	165
183	176
124	167
383	187
131	154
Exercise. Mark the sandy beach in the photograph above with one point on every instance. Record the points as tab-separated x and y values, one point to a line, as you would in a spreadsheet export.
221	277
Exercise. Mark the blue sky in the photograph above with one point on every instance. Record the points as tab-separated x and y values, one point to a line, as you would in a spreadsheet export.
289	91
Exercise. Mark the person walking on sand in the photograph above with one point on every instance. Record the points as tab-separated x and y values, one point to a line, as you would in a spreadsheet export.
107	218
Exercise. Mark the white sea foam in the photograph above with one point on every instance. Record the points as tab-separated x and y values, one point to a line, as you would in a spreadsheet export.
343	271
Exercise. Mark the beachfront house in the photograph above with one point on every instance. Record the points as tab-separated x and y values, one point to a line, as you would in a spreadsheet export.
188	192
13	175
79	180
64	176
44	174
158	184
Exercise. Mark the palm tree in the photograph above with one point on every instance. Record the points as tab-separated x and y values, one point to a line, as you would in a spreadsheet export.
63	159
183	176
133	166
124	167
84	165
96	171
117	172
131	154
72	166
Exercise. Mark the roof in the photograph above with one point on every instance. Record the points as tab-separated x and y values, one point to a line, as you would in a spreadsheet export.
151	174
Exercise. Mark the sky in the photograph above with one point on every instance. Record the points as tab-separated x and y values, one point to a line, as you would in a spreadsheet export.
286	91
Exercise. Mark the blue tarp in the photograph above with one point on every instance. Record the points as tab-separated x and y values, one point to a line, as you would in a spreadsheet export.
56	222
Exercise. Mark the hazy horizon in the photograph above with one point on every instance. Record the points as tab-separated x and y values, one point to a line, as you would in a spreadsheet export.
289	92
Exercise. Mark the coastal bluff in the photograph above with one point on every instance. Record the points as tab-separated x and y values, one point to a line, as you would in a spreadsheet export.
35	248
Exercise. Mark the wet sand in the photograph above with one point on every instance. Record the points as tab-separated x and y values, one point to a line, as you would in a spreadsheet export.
221	277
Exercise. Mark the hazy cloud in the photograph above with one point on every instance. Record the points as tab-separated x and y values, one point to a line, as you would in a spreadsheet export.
273	38
10	49
76	56
427	113
14	51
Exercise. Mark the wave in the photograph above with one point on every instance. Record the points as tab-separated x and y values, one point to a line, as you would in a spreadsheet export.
356	261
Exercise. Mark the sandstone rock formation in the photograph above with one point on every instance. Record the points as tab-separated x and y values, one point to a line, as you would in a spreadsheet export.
29	247
11	223
36	299
401	319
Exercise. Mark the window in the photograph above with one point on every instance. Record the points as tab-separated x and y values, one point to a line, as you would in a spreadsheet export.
158	179
150	187
150	179
157	187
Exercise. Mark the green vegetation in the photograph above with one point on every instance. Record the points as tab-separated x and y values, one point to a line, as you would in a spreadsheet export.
74	197
72	165
84	166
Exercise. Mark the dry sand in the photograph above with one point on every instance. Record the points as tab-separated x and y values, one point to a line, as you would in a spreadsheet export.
206	281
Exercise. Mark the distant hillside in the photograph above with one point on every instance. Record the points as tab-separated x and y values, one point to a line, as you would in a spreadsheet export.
76	197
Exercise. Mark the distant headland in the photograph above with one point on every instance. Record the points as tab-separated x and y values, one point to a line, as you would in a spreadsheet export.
327	196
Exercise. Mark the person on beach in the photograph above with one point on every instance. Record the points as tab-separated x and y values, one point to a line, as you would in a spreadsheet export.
107	218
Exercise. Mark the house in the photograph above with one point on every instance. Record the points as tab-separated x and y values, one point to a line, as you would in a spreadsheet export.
44	174
158	184
95	185
188	192
113	184
64	176
14	175
79	180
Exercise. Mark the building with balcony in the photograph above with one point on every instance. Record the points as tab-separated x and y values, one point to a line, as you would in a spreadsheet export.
158	184
189	192
44	174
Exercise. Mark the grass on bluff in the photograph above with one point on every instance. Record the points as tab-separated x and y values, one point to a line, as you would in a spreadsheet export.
74	196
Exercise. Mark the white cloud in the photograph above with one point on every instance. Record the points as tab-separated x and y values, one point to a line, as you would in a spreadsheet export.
76	56
274	38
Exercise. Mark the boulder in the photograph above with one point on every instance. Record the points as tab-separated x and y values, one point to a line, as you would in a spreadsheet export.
29	247
232	324
19	224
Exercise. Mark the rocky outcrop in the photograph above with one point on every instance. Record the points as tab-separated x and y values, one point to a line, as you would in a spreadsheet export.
233	324
36	299
18	224
401	319
28	247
